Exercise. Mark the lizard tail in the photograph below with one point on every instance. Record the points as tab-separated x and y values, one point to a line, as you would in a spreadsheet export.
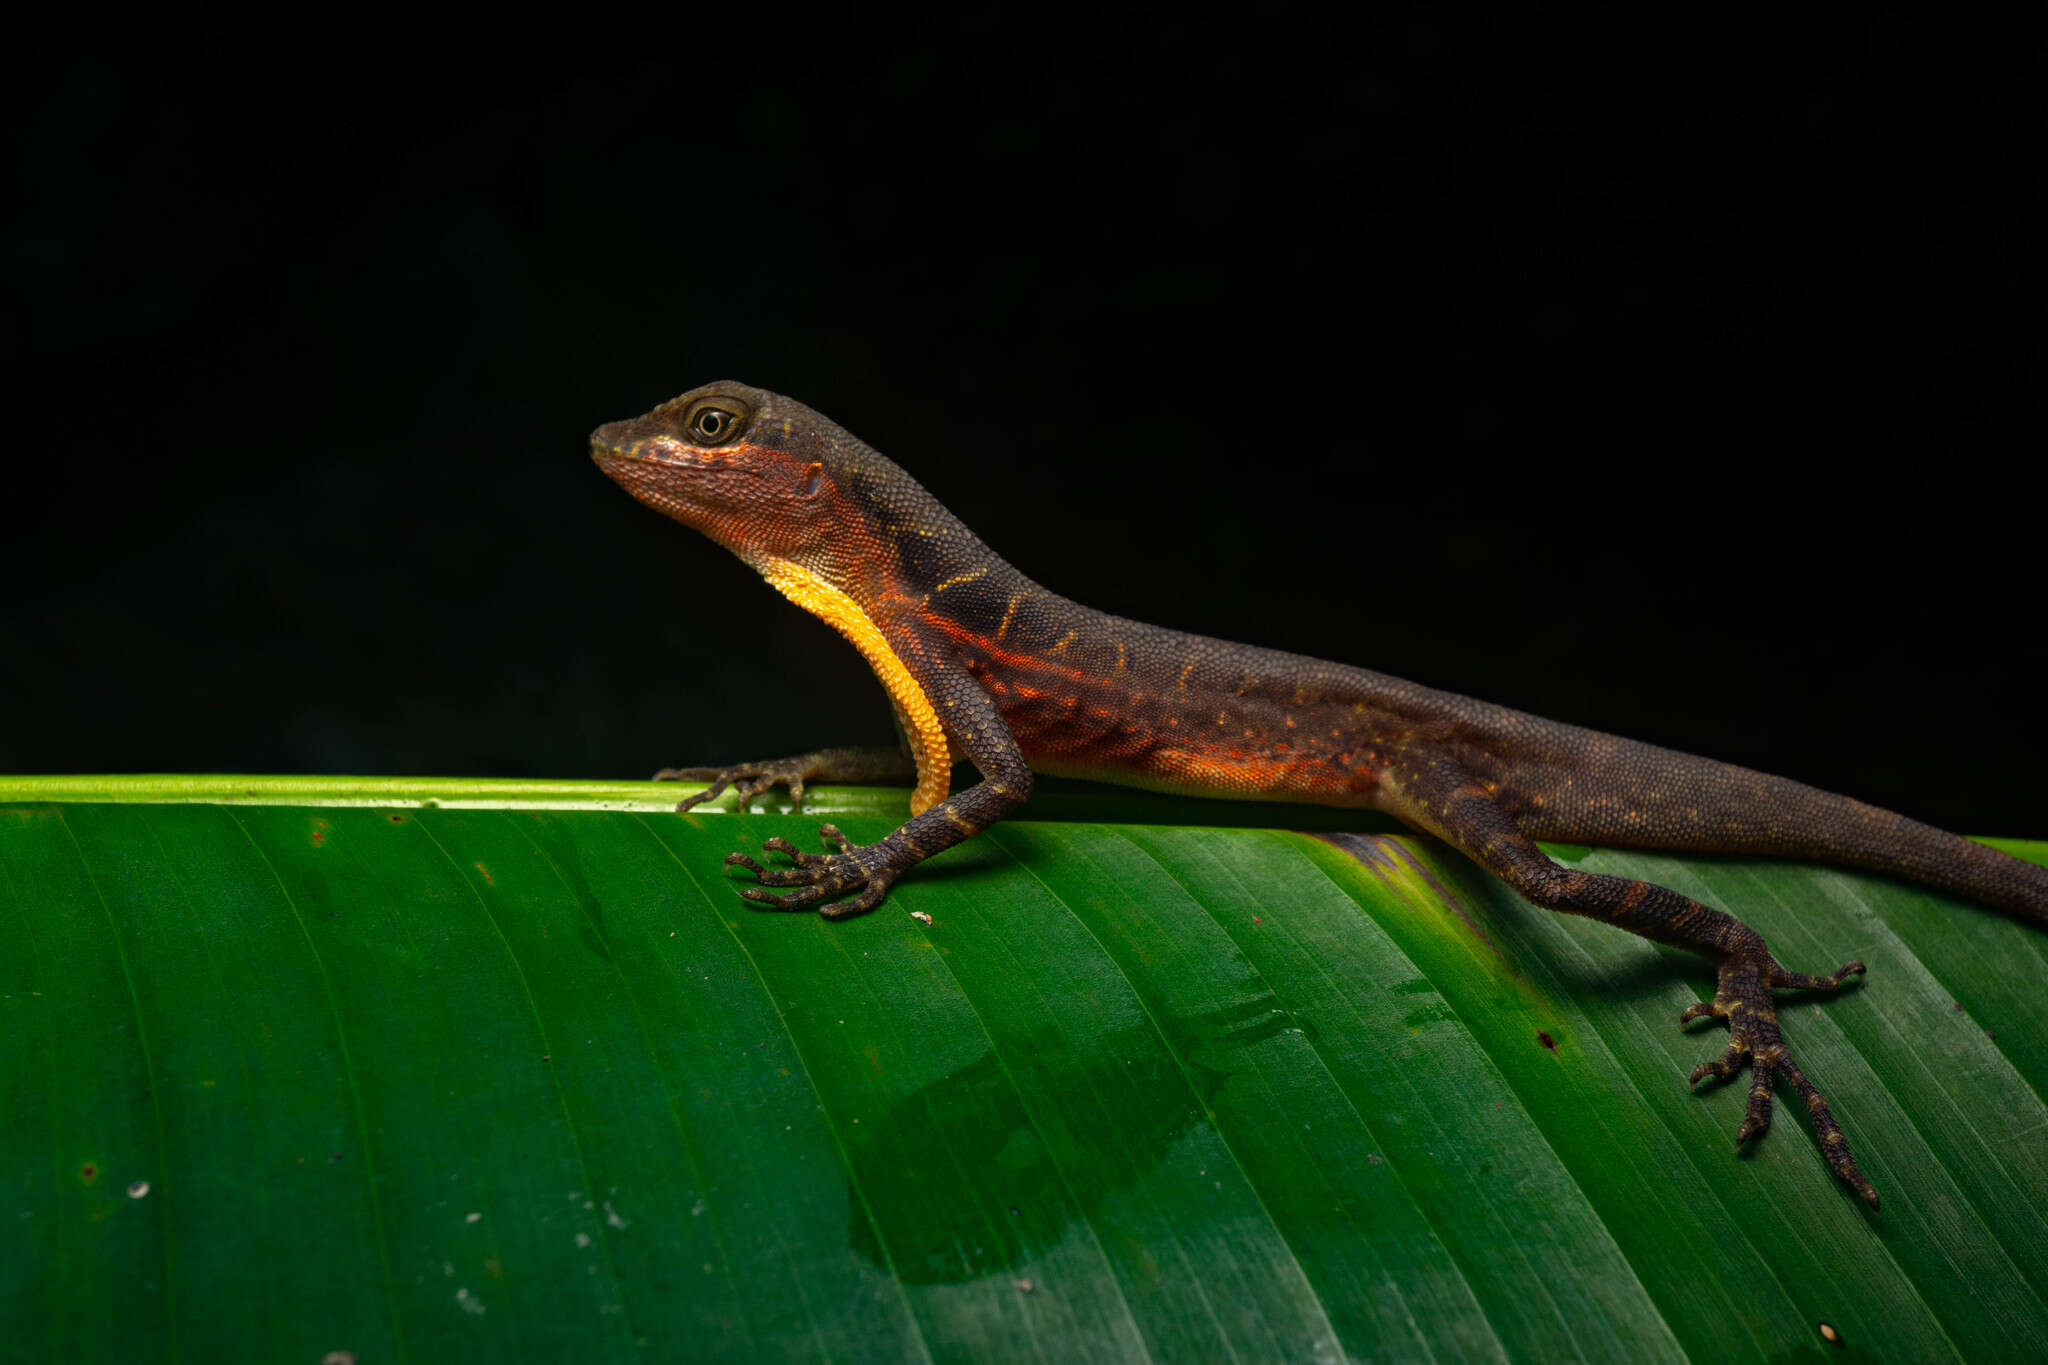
1665	799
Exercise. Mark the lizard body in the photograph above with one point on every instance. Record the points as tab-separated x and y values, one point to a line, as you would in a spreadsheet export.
985	666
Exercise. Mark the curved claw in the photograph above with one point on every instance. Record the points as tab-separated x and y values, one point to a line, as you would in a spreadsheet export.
1756	1115
690	802
1806	981
870	897
801	899
1699	1009
796	856
1724	1066
776	876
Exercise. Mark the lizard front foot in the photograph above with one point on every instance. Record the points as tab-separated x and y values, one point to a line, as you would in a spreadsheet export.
821	876
1742	996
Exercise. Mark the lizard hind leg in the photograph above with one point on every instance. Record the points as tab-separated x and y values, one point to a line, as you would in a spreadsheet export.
1440	796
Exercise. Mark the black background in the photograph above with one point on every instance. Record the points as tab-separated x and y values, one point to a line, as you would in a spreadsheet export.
1677	377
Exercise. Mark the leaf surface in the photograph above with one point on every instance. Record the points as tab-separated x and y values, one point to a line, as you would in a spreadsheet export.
518	1072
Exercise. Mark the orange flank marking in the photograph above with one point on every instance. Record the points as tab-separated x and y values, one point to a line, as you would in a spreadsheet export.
1023	663
1077	722
1240	772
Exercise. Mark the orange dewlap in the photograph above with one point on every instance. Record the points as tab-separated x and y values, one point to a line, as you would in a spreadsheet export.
920	722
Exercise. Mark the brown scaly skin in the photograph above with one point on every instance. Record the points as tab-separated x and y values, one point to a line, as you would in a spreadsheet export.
983	664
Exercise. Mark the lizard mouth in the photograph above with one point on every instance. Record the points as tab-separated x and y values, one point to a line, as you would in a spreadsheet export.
618	444
610	444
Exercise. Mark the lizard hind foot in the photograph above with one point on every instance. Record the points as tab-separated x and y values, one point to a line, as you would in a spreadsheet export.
1743	998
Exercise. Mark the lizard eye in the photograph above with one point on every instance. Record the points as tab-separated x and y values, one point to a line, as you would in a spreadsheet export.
715	421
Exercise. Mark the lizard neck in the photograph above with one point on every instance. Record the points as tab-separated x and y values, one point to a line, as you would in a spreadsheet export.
911	553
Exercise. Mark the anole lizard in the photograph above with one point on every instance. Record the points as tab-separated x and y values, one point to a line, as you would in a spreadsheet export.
983	665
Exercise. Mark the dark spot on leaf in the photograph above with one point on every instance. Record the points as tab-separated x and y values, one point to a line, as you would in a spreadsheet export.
88	1173
485	873
1546	1040
1956	1005
397	819
333	1157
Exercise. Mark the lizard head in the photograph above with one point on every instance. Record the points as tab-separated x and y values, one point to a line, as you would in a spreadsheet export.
782	486
759	473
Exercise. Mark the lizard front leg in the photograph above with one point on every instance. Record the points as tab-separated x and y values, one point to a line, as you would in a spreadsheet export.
973	728
1439	795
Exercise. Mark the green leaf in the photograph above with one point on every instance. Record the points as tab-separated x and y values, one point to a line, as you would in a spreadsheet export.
468	1070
